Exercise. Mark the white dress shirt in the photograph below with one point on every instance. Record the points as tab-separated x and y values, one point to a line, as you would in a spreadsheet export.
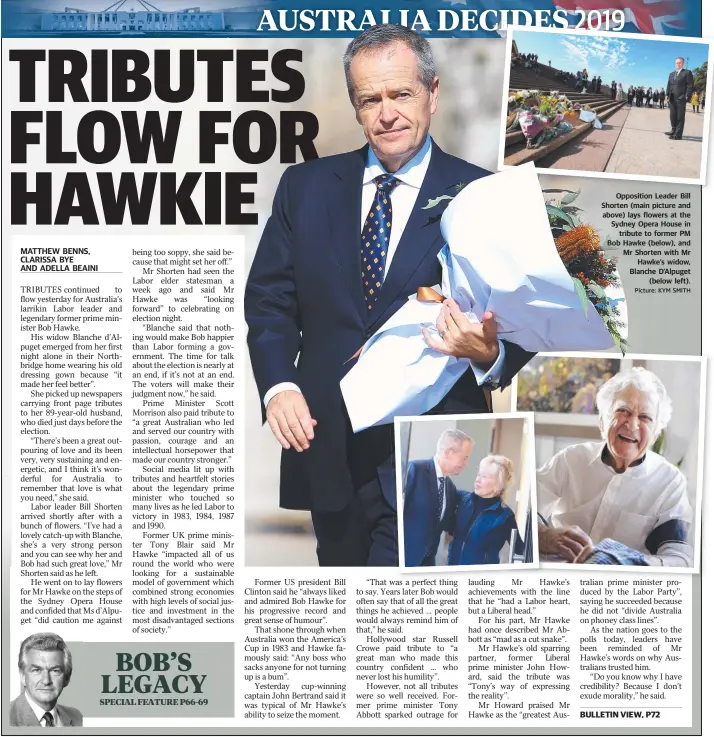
39	712
576	487
404	197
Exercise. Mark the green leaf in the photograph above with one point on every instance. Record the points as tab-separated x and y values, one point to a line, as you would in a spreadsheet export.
571	208
620	343
569	191
597	290
558	213
580	289
434	203
460	186
570	197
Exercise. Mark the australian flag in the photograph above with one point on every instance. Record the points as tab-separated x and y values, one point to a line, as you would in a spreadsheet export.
670	17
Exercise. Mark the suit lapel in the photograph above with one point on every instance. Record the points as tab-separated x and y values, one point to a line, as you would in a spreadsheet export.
64	716
450	492
26	714
434	486
421	233
344	208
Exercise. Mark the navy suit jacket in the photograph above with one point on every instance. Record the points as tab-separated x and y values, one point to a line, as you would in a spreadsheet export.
421	517
304	298
680	86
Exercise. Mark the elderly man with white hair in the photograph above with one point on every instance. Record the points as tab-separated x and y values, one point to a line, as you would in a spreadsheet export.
593	493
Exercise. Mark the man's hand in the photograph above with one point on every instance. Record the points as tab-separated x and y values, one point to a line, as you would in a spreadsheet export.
289	419
570	543
463	339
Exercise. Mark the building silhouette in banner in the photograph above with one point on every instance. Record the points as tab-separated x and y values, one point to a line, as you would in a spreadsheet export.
119	17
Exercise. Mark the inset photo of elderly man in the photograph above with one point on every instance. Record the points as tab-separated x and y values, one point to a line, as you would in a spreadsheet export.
618	448
466	490
45	665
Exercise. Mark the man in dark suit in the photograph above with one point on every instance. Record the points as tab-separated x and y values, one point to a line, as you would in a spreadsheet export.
45	665
347	243
680	86
430	497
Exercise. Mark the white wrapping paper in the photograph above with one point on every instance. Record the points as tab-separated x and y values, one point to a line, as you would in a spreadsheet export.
501	258
590	117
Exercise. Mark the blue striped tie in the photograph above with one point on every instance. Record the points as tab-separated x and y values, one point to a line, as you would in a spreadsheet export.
375	238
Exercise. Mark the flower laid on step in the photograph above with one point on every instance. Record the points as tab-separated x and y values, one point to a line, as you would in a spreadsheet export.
540	128
541	117
585	259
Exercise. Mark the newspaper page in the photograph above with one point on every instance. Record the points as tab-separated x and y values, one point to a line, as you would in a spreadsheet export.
354	367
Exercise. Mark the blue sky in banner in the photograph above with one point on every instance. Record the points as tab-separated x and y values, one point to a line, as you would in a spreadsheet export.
242	16
626	60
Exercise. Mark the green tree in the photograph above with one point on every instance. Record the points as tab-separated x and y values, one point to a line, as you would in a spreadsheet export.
700	78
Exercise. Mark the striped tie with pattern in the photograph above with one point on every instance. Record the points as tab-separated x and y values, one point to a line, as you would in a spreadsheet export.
375	238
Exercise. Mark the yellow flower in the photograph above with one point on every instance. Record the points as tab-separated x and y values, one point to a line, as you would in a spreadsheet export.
577	242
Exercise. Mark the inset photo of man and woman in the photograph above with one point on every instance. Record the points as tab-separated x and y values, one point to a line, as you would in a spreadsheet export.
464	488
618	445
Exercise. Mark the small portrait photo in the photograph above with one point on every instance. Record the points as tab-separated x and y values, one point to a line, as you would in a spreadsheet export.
464	485
618	446
45	666
606	104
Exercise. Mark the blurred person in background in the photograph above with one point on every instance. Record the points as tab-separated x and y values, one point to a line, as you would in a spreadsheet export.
695	101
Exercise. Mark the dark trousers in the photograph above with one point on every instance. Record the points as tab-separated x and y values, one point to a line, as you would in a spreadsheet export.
362	534
677	109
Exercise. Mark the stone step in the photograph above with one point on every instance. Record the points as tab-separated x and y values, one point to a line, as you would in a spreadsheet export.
519	154
572	96
591	151
530	76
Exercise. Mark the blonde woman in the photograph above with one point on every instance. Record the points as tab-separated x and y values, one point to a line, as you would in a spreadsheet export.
483	522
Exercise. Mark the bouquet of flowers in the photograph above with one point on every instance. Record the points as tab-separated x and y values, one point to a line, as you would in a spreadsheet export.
544	117
585	257
521	279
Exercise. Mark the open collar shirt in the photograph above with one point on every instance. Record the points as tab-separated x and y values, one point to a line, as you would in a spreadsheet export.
644	508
